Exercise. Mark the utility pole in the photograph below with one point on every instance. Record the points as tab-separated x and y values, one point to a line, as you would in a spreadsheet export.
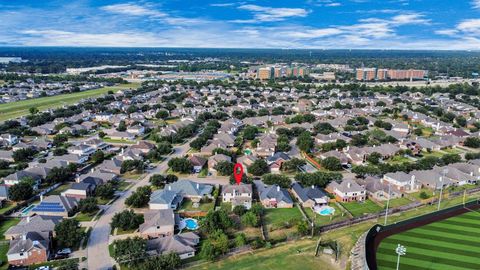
445	171
388	202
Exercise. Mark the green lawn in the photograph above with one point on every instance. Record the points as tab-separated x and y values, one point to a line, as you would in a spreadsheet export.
324	220
416	195
278	216
120	231
397	202
298	255
84	217
187	205
399	159
360	208
451	244
6	224
21	108
108	140
60	189
453	150
7	206
3	256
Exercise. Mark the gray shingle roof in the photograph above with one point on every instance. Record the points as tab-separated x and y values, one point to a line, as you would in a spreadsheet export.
154	218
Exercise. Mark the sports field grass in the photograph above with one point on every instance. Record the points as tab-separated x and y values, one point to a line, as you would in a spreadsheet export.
452	244
20	108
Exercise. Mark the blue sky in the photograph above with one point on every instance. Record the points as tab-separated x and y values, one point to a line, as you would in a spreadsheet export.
328	24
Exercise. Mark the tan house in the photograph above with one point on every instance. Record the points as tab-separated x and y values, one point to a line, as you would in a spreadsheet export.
158	223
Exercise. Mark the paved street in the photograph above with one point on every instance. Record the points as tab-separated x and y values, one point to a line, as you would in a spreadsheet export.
97	253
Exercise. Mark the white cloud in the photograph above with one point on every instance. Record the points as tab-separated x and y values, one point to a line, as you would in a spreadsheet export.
411	18
133	10
471	26
65	38
270	14
476	4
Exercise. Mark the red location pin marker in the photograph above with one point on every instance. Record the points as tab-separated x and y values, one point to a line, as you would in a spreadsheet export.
238	173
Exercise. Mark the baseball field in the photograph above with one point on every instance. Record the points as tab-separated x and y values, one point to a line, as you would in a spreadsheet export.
450	244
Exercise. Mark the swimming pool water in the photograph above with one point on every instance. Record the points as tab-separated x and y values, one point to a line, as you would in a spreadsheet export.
191	224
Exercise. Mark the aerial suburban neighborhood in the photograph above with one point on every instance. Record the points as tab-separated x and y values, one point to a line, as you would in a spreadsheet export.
239	135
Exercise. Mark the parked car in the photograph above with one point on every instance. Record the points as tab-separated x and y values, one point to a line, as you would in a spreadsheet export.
60	256
64	251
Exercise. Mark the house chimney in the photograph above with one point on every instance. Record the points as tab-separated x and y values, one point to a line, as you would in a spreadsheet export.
92	170
412	182
313	187
169	187
28	219
41	197
278	188
198	186
24	237
349	184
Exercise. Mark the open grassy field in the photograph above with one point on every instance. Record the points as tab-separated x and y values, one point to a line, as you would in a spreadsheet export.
277	216
6	224
20	108
299	255
360	208
449	244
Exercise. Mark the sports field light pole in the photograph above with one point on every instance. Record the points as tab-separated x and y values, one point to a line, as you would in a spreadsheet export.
388	202
401	250
445	171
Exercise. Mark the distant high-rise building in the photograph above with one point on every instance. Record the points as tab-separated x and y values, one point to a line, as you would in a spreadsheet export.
382	74
404	74
265	73
366	74
370	74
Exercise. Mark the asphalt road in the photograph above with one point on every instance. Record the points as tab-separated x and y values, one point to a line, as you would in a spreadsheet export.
97	249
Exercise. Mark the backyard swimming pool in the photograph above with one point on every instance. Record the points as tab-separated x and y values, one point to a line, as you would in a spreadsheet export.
27	210
189	223
324	210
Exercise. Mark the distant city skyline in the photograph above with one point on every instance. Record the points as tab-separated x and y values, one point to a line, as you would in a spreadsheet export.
322	24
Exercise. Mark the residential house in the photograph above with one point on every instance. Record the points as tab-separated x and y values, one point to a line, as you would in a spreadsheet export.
402	181
346	191
273	196
267	145
238	195
113	165
79	190
246	161
309	196
165	199
182	244
81	150
432	179
158	223
215	159
7	155
198	163
35	223
380	190
31	248
55	205
276	160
